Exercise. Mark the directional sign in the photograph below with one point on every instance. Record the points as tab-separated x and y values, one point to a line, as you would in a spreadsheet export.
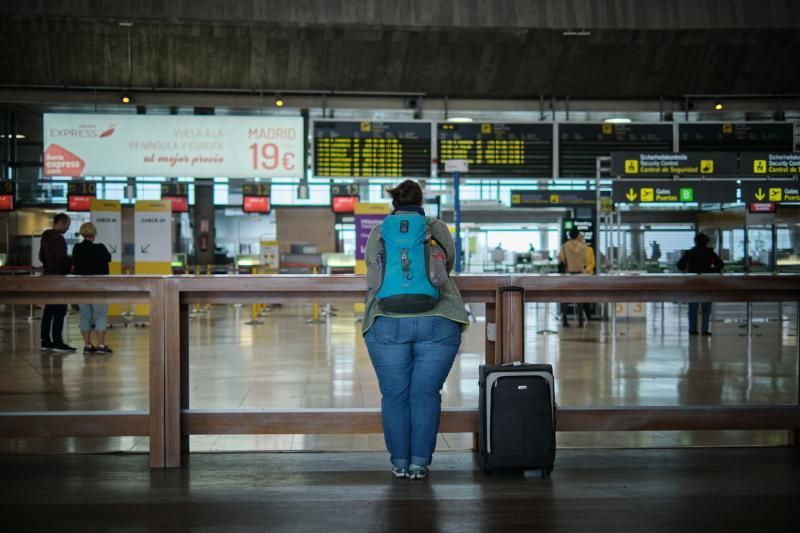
553	198
639	165
107	217
779	192
153	236
776	165
639	192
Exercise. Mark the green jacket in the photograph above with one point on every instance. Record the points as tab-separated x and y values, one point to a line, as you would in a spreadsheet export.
450	305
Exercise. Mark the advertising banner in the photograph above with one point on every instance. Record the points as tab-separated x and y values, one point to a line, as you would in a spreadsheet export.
368	215
171	145
270	257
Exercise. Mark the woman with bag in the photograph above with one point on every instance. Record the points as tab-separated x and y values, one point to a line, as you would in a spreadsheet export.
413	319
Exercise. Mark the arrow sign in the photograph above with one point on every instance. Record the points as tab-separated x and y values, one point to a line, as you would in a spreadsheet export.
145	249
663	192
780	192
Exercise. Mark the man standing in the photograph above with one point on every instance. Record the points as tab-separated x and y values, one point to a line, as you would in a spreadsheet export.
700	260
574	256
56	262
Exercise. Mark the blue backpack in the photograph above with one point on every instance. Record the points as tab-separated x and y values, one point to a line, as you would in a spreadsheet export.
411	265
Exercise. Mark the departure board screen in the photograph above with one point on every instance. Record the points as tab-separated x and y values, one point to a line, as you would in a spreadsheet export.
736	137
80	195
177	194
498	150
256	197
372	149
579	145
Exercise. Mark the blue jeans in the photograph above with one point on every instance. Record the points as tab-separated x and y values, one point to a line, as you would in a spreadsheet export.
706	308
412	357
96	314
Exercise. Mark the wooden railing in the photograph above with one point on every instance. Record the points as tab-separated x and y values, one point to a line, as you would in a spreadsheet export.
171	420
106	289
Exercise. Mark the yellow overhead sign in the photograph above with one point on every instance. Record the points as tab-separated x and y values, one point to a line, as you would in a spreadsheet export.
774	191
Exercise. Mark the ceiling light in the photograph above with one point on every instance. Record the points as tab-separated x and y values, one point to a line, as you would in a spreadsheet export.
126	98
279	101
17	136
617	120
718	105
459	119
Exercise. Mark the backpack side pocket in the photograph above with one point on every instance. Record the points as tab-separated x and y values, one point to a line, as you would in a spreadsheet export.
375	269
437	264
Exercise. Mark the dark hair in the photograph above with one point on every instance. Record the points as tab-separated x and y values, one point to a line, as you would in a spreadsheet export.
407	193
701	239
61	217
573	233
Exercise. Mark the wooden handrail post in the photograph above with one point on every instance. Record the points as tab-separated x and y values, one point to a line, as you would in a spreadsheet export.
157	372
510	325
176	371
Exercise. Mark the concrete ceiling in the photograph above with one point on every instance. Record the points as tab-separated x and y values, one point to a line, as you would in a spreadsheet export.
590	49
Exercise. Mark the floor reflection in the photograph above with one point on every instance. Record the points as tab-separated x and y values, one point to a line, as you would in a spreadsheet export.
288	363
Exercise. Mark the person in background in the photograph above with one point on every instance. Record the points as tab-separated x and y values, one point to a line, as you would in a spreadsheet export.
412	353
92	259
656	252
700	260
588	269
573	258
55	262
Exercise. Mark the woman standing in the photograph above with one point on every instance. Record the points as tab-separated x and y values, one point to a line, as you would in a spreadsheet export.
92	259
412	352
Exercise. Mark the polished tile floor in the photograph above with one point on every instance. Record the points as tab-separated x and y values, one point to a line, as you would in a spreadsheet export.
285	362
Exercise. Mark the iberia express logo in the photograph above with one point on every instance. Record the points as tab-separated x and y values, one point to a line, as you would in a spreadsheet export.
59	161
109	131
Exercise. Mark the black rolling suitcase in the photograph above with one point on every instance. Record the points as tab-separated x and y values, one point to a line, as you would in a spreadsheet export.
517	417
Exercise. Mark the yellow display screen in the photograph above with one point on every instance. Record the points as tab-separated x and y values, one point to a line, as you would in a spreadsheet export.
579	145
498	150
372	149
736	136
